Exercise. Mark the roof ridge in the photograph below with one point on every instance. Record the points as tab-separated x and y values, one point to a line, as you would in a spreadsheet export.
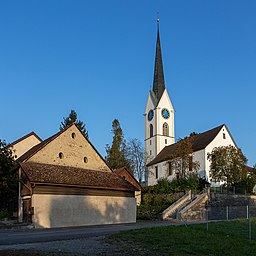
24	137
200	141
39	146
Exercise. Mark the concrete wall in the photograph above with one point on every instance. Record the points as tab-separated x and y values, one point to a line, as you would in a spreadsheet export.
74	150
24	145
73	210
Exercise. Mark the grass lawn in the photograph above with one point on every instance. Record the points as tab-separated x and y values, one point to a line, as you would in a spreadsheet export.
222	238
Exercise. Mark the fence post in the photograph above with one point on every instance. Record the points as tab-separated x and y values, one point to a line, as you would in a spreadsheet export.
247	212
227	212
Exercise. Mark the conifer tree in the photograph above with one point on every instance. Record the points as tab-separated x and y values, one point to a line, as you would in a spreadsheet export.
116	154
72	118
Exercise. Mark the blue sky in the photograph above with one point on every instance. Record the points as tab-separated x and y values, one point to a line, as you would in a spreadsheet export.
97	58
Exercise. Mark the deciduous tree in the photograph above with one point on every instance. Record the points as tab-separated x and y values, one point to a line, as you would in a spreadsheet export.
136	157
227	163
182	158
72	118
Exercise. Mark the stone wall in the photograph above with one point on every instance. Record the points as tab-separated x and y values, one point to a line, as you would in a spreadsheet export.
70	148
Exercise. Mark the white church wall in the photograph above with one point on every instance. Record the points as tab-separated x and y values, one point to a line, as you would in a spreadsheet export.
162	171
163	141
223	138
199	156
155	143
149	144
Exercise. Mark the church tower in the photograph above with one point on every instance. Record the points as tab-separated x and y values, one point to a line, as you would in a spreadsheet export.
159	112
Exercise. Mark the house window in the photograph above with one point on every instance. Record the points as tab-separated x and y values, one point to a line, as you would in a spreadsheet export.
156	172
165	129
73	135
151	130
150	142
165	141
150	152
224	136
61	155
85	159
170	170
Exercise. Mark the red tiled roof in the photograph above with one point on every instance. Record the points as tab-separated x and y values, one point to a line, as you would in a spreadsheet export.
249	169
200	141
69	176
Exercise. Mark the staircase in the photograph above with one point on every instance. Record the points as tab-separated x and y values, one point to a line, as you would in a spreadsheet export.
187	208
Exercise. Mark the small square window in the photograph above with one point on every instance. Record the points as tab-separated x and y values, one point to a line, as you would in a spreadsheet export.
156	172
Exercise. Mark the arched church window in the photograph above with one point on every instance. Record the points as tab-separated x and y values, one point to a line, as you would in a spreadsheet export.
165	129
151	130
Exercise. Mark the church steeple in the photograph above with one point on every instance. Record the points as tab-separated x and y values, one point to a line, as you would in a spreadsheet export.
158	85
159	112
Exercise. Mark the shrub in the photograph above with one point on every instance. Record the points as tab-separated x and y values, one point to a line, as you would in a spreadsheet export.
4	214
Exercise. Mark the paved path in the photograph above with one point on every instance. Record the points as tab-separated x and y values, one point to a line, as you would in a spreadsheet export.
10	237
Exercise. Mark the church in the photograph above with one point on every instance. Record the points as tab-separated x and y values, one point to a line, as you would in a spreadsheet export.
160	135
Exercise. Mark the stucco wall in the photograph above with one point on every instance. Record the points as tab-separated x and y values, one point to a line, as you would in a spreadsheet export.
156	143
72	210
218	141
199	156
23	146
74	151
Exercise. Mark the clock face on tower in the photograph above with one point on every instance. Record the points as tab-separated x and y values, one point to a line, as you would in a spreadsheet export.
150	115
165	113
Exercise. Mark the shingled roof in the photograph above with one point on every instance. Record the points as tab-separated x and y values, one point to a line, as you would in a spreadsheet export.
70	176
200	141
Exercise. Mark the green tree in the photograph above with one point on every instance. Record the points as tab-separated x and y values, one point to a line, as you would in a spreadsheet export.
116	154
227	163
72	118
182	158
136	157
8	179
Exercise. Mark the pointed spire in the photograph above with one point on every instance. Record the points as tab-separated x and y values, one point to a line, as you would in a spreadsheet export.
158	85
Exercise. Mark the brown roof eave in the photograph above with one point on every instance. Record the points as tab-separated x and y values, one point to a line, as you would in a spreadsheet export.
79	186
